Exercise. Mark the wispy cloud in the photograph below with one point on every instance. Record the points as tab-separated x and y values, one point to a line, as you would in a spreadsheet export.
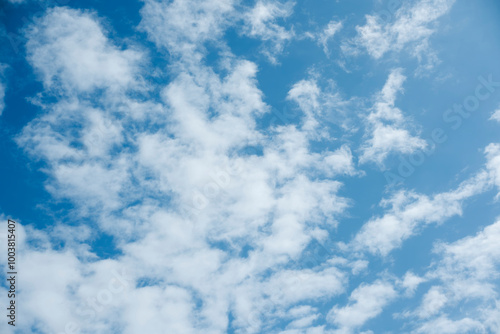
261	22
410	29
410	212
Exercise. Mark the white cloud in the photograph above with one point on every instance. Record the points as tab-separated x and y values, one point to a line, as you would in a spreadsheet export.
305	316
432	302
260	22
289	287
410	212
203	226
411	282
464	295
495	116
386	125
69	50
476	258
85	291
182	199
386	139
410	30
322	108
340	162
307	95
365	303
155	309
444	325
184	26
493	162
328	33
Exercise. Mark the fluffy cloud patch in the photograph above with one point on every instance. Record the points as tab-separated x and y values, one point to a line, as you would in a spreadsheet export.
410	29
365	303
386	125
184	26
464	297
69	50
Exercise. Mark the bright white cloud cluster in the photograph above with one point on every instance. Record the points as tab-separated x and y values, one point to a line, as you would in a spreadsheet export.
190	188
71	53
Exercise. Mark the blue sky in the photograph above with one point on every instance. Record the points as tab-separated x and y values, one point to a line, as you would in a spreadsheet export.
224	166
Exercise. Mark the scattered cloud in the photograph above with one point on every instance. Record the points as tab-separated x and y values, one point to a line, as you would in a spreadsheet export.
410	29
495	116
387	132
328	33
322	107
464	277
183	27
261	22
365	302
70	52
410	212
